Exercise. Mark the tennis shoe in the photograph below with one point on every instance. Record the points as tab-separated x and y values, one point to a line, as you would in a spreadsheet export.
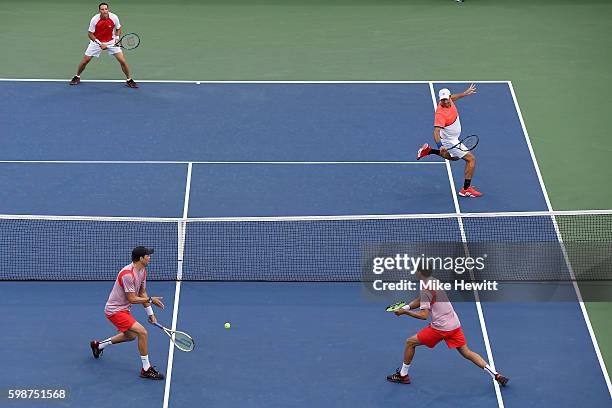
423	151
95	348
75	80
151	374
398	378
501	379
131	84
469	192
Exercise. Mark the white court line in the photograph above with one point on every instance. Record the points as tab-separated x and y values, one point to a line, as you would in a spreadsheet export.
314	163
483	325
282	218
585	314
249	82
187	192
179	277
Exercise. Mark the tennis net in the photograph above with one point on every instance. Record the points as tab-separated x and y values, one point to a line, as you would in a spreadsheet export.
535	246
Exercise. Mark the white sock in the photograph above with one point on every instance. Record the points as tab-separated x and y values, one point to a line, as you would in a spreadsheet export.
404	370
105	343
491	371
145	362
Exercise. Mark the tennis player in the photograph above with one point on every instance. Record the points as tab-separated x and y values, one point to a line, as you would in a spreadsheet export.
445	325
104	32
131	288
447	129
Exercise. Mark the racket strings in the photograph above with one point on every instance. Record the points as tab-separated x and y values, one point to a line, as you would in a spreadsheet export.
130	41
183	342
469	143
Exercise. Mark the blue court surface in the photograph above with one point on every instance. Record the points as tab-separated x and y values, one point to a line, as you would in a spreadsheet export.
184	151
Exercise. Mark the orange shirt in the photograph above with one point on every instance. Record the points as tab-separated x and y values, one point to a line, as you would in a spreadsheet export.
445	116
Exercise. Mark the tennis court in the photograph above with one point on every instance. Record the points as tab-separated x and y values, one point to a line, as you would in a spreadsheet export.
257	197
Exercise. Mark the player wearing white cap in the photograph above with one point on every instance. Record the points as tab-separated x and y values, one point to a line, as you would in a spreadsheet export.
447	129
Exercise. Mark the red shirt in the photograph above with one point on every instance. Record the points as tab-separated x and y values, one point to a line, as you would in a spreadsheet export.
104	29
445	116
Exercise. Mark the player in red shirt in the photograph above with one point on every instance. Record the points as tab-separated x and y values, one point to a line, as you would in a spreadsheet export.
104	31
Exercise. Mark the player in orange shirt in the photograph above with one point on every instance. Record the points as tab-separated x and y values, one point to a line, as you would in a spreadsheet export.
447	129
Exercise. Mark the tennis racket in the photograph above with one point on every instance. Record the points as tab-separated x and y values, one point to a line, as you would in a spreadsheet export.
466	144
128	41
395	307
181	340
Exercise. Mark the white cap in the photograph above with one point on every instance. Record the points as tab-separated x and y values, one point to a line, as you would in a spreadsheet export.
444	94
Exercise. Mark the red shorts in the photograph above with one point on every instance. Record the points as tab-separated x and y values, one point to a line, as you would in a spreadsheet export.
430	337
122	320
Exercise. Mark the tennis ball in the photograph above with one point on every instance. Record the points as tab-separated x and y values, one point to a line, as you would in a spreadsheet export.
227	325
198	82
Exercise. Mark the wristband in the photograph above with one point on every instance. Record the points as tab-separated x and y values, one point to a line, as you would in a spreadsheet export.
439	144
149	311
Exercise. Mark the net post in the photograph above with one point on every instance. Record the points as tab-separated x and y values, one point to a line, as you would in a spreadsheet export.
181	229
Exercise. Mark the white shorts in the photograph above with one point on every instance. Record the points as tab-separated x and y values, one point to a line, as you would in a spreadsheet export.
94	49
455	152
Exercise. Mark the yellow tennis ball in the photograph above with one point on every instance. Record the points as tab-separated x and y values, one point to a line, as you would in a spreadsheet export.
227	325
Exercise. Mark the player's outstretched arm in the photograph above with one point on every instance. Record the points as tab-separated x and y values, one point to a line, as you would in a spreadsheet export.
471	90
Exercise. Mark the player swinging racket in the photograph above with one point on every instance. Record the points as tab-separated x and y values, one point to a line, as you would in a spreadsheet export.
131	288
445	325
447	129
104	28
